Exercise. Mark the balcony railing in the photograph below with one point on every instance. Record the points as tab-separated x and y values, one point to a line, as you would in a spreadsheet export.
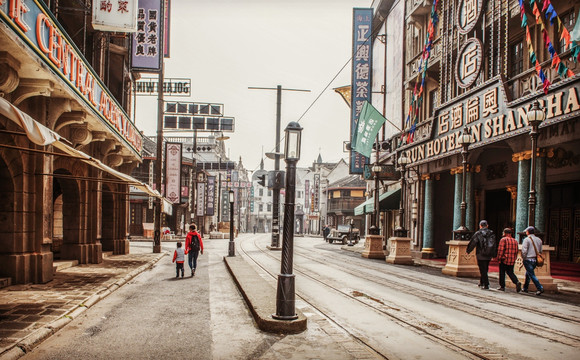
343	204
412	68
418	7
528	81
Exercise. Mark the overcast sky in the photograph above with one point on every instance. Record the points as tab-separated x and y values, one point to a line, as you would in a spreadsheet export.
226	46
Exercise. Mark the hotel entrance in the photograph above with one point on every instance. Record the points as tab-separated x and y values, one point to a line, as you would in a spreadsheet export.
497	211
564	221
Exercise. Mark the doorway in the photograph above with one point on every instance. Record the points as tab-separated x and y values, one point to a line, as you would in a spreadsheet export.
564	221
497	211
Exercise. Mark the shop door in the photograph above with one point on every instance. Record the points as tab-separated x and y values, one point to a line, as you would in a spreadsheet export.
564	221
136	223
497	210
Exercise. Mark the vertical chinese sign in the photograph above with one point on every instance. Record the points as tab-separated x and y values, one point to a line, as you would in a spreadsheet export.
200	199
316	203
147	44
361	78
166	27
173	172
210	205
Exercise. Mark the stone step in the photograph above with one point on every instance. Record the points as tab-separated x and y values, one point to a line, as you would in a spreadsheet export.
63	264
5	282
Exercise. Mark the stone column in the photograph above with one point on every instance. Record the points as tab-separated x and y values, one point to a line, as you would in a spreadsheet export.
470	200
540	218
523	160
457	197
428	250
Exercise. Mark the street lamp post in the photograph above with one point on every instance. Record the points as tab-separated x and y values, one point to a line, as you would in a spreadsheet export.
400	230
285	294
535	117
465	139
232	249
375	228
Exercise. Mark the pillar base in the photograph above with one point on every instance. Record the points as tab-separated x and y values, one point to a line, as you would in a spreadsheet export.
273	248
544	274
459	262
428	253
400	251
156	249
373	247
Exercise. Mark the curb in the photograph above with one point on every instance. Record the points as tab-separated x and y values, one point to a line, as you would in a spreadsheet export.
25	345
260	298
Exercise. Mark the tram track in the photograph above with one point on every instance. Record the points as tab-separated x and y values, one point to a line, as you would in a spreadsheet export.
452	340
495	316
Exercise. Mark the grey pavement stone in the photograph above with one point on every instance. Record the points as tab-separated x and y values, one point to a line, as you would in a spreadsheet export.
30	313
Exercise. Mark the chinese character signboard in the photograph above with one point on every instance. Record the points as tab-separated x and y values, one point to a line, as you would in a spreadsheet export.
469	63
306	194
167	27
210	205
146	48
361	78
225	205
115	15
468	15
200	199
42	35
316	204
173	172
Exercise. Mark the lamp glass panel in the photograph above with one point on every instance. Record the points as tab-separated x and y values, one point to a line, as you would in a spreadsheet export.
293	145
231	196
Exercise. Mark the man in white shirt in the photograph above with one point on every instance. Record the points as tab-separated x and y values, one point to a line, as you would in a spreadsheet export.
529	257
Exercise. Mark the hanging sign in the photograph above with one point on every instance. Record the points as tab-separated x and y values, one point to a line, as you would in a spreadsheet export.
469	63
173	172
210	205
147	41
119	16
468	14
200	199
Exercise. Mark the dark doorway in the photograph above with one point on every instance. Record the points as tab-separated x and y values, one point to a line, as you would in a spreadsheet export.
443	191
564	221
497	210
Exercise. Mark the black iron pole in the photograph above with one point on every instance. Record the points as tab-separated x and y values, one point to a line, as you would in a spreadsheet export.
400	231
532	199
232	247
285	294
159	162
463	187
276	195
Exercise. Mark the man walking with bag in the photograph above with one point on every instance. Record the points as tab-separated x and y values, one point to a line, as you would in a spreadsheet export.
193	245
507	252
531	247
486	249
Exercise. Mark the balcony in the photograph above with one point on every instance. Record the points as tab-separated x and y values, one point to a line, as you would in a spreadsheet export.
528	81
343	206
412	67
418	7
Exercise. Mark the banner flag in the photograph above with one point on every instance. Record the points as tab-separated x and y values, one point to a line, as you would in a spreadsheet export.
369	124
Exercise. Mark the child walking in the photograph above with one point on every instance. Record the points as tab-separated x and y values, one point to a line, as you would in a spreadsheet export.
179	259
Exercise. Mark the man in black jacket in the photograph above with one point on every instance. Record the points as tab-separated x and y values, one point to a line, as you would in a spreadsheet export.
486	249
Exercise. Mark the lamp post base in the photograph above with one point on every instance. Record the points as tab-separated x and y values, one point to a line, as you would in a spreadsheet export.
285	298
459	262
373	247
232	249
156	249
400	251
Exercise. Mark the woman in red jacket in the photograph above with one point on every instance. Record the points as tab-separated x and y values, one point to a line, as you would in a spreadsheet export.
193	245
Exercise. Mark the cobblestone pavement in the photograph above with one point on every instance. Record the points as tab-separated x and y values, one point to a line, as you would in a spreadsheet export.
31	313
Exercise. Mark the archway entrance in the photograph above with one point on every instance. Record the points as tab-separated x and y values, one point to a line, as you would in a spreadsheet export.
66	205
6	215
497	210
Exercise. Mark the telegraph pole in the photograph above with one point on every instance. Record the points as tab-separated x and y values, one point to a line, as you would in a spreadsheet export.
275	245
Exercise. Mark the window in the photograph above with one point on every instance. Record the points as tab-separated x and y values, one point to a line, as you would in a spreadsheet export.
298	194
269	192
269	207
261	207
569	20
516	58
261	192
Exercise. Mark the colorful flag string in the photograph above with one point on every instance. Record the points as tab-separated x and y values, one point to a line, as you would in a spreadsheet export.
532	54
417	97
557	63
565	34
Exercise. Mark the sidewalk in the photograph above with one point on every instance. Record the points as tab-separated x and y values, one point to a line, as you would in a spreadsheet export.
31	313
563	285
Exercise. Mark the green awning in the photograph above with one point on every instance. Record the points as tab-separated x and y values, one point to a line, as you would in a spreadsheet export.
387	201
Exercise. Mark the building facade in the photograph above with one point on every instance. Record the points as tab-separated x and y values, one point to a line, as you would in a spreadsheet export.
67	139
478	67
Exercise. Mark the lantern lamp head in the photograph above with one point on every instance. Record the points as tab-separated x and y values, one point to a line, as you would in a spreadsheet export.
403	159
293	138
231	196
536	114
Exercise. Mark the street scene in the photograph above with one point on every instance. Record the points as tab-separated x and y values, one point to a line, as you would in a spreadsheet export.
274	179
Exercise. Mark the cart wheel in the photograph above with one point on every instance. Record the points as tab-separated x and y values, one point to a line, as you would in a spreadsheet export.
344	240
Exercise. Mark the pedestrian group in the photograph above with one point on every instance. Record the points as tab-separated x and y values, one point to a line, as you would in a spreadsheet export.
193	247
506	253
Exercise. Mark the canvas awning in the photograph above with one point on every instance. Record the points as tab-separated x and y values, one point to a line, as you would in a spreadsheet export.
43	136
387	201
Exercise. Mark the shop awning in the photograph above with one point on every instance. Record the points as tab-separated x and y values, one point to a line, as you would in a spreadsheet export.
43	136
387	201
